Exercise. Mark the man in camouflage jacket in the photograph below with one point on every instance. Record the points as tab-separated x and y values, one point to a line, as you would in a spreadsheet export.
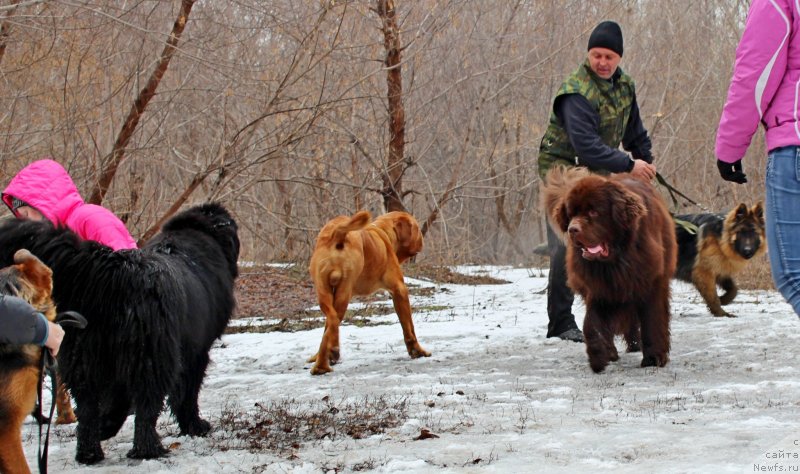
593	112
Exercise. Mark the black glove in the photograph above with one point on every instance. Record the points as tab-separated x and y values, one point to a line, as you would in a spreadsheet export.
732	171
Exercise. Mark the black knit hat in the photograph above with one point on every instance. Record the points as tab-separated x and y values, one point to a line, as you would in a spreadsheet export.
607	35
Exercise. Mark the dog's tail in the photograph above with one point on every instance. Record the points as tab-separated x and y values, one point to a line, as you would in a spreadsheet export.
557	184
357	222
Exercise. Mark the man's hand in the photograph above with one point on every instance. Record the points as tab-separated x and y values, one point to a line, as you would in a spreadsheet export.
54	338
732	171
643	170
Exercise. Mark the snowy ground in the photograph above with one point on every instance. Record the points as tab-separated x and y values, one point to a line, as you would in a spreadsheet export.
500	396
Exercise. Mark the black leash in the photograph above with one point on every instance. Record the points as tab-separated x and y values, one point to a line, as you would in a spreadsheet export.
688	226
49	367
672	192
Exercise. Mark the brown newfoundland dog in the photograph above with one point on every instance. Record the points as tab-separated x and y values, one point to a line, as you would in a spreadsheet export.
621	254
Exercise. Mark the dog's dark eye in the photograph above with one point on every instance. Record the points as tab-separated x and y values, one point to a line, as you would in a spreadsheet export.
593	213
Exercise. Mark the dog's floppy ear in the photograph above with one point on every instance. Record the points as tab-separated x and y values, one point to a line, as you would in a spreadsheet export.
409	236
554	207
559	216
34	271
627	208
402	228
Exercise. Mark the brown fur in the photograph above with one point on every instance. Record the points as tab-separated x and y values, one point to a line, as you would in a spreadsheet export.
720	250
31	280
621	254
355	257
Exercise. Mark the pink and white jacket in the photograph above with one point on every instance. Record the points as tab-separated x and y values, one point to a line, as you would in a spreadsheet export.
46	186
765	87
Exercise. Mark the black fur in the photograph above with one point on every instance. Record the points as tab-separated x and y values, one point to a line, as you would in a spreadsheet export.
153	315
705	224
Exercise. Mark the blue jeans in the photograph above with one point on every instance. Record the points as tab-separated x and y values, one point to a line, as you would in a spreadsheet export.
783	221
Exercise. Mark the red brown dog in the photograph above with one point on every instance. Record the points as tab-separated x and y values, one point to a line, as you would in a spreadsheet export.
355	257
621	254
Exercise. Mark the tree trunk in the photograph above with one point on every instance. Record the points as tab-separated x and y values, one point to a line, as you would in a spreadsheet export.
140	104
393	175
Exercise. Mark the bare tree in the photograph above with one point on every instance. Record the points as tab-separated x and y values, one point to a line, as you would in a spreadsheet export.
293	112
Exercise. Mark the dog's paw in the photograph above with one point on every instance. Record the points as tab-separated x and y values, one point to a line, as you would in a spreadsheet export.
416	351
90	456
199	427
633	347
313	358
151	451
66	418
319	369
655	360
598	365
721	313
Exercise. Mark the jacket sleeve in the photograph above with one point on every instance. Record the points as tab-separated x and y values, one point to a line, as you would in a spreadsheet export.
761	59
582	124
636	140
20	323
97	223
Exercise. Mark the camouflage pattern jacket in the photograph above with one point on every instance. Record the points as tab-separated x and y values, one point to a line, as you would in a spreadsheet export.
614	102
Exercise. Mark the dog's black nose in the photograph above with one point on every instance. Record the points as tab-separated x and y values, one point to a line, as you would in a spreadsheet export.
748	252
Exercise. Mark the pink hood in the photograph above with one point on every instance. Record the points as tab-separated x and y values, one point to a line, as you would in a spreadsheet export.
766	81
47	186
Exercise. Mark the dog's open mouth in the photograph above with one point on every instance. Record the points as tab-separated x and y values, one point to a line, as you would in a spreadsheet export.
594	252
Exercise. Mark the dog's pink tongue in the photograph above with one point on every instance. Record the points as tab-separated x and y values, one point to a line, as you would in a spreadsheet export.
597	249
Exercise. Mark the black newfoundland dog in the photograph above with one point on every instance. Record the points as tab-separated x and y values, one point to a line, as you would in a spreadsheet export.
153	314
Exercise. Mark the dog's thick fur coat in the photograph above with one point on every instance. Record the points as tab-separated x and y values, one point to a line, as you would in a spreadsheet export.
719	249
153	314
355	257
621	255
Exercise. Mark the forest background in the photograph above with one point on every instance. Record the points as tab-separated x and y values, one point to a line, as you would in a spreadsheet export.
292	112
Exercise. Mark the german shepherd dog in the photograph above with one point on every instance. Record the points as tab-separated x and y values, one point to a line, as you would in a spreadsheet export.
721	247
20	368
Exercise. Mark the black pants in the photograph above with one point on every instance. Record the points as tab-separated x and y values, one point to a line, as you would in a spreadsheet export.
559	296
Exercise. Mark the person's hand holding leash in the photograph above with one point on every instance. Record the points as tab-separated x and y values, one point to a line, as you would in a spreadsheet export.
644	170
732	171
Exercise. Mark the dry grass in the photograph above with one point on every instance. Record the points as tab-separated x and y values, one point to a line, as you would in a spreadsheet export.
283	426
756	276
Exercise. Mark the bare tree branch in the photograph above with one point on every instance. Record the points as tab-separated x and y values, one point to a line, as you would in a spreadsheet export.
111	164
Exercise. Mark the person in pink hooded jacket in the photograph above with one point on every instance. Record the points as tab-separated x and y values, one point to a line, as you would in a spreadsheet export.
44	189
765	89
